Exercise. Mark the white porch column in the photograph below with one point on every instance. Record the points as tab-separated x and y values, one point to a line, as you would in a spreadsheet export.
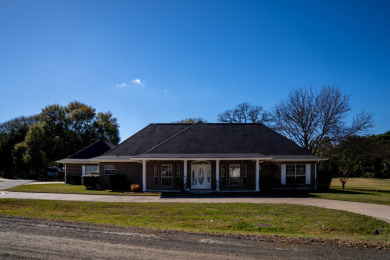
185	175
143	175
257	175
217	175
315	176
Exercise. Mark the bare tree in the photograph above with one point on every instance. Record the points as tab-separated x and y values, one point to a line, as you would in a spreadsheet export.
245	113
190	120
308	118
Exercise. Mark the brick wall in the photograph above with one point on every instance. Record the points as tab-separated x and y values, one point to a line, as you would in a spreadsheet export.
153	183
251	175
132	170
75	169
274	169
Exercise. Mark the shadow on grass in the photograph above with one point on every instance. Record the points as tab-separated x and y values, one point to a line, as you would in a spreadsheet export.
270	194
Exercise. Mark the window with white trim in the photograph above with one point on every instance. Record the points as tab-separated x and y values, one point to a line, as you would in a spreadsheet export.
166	174
91	169
234	175
109	169
295	174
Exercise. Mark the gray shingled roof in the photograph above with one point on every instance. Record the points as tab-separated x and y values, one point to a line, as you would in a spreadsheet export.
211	140
146	139
89	152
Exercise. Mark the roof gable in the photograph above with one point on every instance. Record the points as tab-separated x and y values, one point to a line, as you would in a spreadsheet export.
199	138
93	150
146	139
223	138
206	138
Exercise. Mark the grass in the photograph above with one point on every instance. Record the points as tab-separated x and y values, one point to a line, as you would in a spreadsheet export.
368	190
243	218
71	189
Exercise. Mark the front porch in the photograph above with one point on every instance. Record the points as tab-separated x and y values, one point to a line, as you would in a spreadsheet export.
201	176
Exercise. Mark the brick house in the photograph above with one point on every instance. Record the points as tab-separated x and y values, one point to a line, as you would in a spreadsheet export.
207	156
83	162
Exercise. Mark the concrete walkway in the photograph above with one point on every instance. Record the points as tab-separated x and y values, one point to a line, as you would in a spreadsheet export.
373	210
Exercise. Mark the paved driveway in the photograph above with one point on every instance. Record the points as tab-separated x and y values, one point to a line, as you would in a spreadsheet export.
6	184
374	210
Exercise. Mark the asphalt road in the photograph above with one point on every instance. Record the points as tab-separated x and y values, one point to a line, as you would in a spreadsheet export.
36	239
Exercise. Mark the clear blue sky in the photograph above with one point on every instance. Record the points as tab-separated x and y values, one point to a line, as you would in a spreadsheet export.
162	61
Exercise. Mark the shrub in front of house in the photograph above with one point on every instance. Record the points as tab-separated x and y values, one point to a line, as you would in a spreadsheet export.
91	182
324	176
118	182
74	180
135	187
267	182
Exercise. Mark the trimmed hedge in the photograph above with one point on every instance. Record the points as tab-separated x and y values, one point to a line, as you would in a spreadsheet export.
91	182
324	176
118	182
74	180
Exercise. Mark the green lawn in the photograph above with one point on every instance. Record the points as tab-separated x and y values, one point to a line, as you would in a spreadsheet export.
243	218
75	189
367	190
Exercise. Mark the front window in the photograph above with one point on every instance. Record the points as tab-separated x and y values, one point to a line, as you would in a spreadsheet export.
109	169
166	174
234	175
91	169
295	174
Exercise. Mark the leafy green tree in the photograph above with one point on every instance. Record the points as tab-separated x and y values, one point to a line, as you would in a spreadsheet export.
81	131
11	133
356	156
34	148
106	127
349	154
58	131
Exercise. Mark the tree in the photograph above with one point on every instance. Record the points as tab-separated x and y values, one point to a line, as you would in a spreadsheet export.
57	132
245	113
309	118
11	133
106	127
190	120
351	154
34	148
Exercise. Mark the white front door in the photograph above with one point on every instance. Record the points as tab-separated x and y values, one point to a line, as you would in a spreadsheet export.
201	176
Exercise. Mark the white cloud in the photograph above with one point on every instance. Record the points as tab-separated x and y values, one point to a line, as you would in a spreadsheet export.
136	81
133	83
121	85
165	90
